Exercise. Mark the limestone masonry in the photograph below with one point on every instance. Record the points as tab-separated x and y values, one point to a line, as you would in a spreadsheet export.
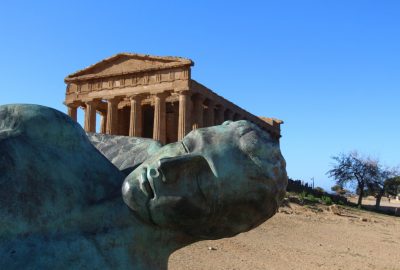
152	97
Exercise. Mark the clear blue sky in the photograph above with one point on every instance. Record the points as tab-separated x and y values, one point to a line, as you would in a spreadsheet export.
329	69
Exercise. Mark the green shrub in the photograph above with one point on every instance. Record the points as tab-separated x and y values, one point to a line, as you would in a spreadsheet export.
303	195
311	198
326	200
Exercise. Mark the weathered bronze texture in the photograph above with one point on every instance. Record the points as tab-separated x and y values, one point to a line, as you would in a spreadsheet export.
130	202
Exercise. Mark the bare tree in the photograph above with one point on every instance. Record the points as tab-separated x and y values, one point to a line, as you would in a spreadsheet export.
392	185
384	182
351	168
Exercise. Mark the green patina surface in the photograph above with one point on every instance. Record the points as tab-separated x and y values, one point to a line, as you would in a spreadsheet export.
61	202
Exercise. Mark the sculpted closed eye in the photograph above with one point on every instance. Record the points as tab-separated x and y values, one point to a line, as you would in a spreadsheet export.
185	147
244	131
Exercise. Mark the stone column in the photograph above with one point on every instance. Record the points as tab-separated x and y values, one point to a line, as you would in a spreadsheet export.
103	123
135	125
219	117
210	113
184	122
198	112
90	116
159	131
112	116
72	111
229	115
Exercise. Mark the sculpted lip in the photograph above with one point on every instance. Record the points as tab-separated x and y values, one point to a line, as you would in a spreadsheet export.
145	185
185	148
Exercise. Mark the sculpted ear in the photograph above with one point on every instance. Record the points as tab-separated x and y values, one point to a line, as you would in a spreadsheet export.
181	166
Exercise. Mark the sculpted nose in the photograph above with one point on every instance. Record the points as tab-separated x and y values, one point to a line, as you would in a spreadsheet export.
153	172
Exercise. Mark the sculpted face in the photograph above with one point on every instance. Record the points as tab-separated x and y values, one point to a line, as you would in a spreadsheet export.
217	182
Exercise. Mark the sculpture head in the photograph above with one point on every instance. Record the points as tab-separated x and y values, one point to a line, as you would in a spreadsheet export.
216	182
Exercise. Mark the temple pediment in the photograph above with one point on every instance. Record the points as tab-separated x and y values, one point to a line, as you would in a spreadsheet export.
128	63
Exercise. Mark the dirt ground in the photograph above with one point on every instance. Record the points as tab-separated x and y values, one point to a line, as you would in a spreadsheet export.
303	237
371	201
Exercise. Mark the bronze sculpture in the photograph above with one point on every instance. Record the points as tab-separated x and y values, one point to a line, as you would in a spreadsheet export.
61	202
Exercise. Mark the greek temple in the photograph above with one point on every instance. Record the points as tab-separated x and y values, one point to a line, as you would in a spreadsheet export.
152	97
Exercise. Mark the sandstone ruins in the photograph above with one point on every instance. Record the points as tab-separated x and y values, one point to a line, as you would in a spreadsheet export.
152	97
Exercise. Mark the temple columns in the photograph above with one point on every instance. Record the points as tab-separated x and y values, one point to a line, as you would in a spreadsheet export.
159	131
72	112
210	117
135	125
219	117
184	122
103	122
193	111
90	116
112	116
198	112
228	115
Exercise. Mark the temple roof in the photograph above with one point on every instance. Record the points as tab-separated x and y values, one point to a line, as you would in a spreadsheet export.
270	120
128	63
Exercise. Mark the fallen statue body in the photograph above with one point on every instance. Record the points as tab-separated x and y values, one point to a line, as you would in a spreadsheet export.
64	205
